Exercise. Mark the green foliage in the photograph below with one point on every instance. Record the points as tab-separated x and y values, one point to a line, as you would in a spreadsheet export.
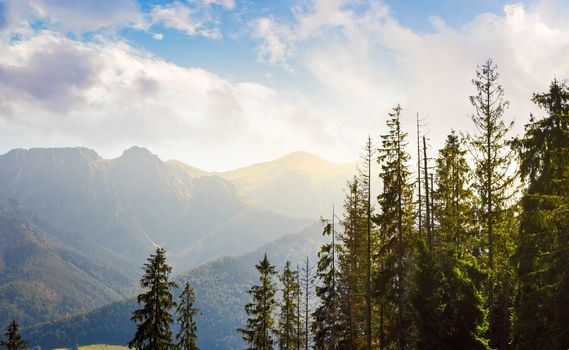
288	322
448	299
325	318
154	319
494	183
542	254
260	323
14	340
454	202
396	222
187	335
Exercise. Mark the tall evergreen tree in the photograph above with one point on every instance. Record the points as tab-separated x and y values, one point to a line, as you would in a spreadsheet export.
260	323
365	179
396	225
287	322
188	333
14	340
448	298
352	264
454	201
324	326
154	319
493	180
542	254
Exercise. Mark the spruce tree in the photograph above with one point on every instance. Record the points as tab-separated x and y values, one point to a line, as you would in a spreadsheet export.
454	201
324	326
542	254
187	335
396	222
260	323
493	180
287	321
448	299
352	258
14	340
154	318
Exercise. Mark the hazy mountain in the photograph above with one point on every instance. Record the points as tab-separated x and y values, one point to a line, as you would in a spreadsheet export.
45	273
135	201
299	184
220	286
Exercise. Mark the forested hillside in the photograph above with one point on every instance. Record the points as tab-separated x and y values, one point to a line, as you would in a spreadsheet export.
220	287
464	248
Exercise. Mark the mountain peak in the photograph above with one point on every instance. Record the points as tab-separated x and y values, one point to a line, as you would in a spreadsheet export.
136	152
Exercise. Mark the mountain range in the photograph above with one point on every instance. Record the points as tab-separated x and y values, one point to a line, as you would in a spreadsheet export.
76	228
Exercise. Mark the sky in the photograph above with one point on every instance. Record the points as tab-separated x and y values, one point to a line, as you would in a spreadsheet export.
220	84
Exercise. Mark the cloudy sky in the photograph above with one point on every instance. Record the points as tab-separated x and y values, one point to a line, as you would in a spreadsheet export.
224	83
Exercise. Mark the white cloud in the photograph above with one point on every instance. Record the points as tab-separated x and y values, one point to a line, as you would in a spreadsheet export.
365	62
108	96
158	36
191	21
74	16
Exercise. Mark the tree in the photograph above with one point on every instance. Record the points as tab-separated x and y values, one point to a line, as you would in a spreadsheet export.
324	326
448	299
287	322
352	264
187	335
396	226
154	319
260	323
13	340
493	158
542	254
365	179
454	201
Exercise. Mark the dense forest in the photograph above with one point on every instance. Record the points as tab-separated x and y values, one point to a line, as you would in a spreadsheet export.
467	249
464	249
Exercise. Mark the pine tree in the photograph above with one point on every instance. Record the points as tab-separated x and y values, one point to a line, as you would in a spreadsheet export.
493	158
448	298
187	335
454	201
365	179
154	319
542	254
13	340
352	264
324	326
260	323
396	226
287	322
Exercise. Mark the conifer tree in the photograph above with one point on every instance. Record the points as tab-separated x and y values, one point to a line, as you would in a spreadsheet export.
260	323
287	322
454	201
352	258
154	319
187	335
14	340
365	179
448	299
324	326
396	226
492	158
542	254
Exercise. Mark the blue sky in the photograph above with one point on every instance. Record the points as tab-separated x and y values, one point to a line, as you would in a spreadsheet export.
224	83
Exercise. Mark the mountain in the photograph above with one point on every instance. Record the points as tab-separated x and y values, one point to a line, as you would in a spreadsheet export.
299	184
45	273
136	201
221	292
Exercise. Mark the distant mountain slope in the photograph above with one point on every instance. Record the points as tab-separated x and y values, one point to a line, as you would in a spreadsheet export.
220	287
46	274
299	184
135	201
